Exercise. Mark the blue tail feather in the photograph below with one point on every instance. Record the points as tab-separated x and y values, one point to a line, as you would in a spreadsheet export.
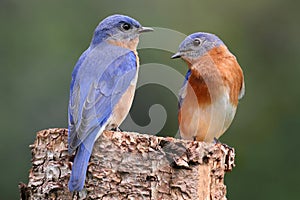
79	168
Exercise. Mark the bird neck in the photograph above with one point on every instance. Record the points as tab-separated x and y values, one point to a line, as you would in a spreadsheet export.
210	61
219	71
128	44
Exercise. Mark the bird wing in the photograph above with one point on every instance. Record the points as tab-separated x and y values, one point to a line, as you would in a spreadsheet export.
182	91
100	78
242	91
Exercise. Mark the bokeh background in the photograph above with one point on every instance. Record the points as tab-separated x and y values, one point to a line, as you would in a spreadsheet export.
40	41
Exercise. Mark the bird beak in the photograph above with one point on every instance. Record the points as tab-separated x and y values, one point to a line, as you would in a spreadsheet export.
145	29
177	55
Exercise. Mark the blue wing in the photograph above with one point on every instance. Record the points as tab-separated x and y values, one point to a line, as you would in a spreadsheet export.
183	87
100	78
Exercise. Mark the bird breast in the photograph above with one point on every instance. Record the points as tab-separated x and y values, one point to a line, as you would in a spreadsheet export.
123	106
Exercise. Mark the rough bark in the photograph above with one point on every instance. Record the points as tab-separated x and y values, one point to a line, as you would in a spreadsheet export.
126	165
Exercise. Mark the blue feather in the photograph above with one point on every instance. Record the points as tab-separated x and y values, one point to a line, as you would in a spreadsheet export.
208	36
186	78
80	163
107	27
97	86
100	78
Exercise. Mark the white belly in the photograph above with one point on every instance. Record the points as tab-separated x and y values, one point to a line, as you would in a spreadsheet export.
206	123
122	108
120	111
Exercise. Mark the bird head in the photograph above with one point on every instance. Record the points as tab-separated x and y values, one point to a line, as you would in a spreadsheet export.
118	30
196	45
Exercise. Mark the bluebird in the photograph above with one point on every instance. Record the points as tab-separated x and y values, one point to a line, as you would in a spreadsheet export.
102	88
213	85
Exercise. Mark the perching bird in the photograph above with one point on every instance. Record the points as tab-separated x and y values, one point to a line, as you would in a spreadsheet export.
102	88
212	88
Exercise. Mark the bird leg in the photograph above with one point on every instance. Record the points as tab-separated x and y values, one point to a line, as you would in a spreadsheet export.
195	138
216	141
116	128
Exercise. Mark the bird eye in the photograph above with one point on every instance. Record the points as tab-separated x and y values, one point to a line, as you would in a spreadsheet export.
196	42
126	26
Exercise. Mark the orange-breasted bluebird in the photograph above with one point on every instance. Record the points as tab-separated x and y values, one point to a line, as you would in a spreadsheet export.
102	88
212	88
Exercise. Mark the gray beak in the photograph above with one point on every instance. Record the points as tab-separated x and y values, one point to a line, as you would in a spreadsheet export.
145	29
177	55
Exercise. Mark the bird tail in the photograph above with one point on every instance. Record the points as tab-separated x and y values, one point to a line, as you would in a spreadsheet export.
79	168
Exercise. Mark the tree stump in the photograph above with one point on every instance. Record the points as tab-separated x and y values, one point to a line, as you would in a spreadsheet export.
127	165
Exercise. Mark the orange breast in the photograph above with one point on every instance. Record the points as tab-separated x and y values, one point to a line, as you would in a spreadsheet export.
213	72
232	74
215	82
198	87
129	44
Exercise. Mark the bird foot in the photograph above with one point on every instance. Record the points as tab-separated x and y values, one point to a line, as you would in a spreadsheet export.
117	129
216	141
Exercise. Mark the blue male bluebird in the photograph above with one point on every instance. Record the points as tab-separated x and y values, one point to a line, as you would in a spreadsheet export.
102	88
212	88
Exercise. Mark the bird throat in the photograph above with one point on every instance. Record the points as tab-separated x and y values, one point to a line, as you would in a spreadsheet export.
128	44
206	80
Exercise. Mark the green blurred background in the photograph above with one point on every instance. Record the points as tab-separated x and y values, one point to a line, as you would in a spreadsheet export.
40	41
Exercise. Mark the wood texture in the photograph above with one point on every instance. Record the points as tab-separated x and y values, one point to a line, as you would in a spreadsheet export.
126	165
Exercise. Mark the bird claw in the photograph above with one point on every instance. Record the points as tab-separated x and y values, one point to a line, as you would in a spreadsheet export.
117	129
216	141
